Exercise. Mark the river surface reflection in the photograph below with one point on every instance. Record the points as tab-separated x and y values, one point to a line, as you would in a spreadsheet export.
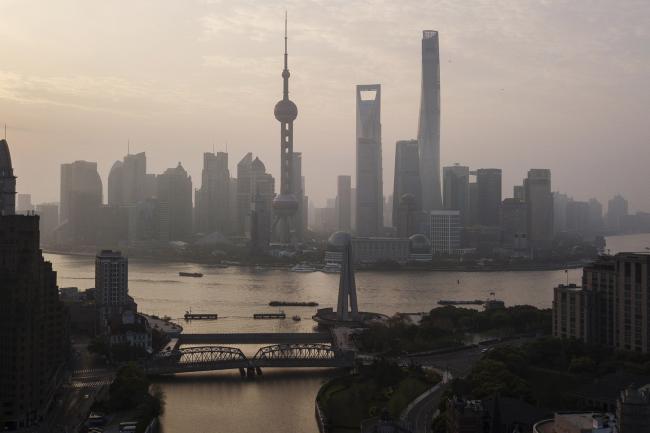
283	401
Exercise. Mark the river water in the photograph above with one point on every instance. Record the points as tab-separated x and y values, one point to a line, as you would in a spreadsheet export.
283	401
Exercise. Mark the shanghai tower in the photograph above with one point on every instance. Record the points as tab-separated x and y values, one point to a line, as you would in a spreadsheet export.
429	124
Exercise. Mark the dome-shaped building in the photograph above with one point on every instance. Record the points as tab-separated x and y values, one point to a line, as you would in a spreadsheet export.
338	240
419	244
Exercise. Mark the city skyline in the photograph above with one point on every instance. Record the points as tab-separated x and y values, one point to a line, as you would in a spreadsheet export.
575	109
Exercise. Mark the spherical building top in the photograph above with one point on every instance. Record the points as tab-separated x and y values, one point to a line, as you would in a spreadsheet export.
285	204
419	244
285	111
338	241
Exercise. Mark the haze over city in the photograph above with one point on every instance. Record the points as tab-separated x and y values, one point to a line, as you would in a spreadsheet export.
523	84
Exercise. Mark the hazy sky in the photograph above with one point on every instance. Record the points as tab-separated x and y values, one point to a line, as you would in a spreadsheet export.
547	84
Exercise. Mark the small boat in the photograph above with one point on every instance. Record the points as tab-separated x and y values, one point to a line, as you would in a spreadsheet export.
190	274
279	315
302	267
200	316
296	318
293	304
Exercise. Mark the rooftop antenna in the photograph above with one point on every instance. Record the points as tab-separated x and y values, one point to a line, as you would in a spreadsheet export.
5	132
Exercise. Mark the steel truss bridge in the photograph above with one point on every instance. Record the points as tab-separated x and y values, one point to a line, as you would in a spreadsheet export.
209	358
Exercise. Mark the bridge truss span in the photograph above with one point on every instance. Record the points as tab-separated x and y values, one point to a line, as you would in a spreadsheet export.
296	352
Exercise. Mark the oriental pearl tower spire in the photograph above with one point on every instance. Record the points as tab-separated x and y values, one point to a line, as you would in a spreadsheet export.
285	205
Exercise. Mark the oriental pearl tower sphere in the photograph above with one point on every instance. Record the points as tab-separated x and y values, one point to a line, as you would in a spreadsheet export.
285	205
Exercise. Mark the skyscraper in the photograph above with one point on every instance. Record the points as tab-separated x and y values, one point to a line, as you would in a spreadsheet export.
299	193
344	203
127	180
81	197
212	200
49	220
175	191
407	174
33	333
488	181
369	200
539	200
617	208
252	180
429	123
285	205
24	203
455	190
7	181
115	181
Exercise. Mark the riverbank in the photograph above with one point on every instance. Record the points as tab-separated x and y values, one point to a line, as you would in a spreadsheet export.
461	267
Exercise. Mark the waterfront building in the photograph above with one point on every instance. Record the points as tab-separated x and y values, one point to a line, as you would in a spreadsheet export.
488	181
577	216
81	197
595	215
212	200
429	123
380	249
472	219
34	342
111	285
444	231
7	181
455	190
49	220
369	196
407	174
24	203
539	198
344	203
617	209
127	180
252	179
514	224
419	248
560	203
175	190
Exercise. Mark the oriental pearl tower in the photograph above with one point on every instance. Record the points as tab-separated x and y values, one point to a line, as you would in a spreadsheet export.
285	205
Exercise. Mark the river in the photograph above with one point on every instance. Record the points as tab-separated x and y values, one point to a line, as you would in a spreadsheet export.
283	401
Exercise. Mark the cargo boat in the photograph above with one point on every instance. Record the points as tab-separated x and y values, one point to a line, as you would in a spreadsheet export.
190	274
292	304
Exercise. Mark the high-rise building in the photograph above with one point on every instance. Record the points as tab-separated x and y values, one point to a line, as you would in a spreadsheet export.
514	224
287	203
560	203
81	197
539	199
595	215
299	193
444	232
408	216
572	312
49	220
518	192
175	189
407	173
111	285
617	313
127	180
24	203
455	190
617	209
344	203
429	123
369	198
34	342
472	219
577	216
488	181
212	200
7	181
252	179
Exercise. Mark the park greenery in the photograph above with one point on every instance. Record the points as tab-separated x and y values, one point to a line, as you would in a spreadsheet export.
347	401
451	326
131	391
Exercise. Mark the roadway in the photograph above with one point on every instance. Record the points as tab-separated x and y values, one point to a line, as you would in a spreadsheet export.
256	338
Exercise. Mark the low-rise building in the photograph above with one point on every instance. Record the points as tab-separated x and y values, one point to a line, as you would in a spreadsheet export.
578	422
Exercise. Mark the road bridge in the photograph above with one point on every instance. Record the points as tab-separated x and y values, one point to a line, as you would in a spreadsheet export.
211	358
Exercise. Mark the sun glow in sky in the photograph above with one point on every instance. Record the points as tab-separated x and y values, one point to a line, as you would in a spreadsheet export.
559	84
